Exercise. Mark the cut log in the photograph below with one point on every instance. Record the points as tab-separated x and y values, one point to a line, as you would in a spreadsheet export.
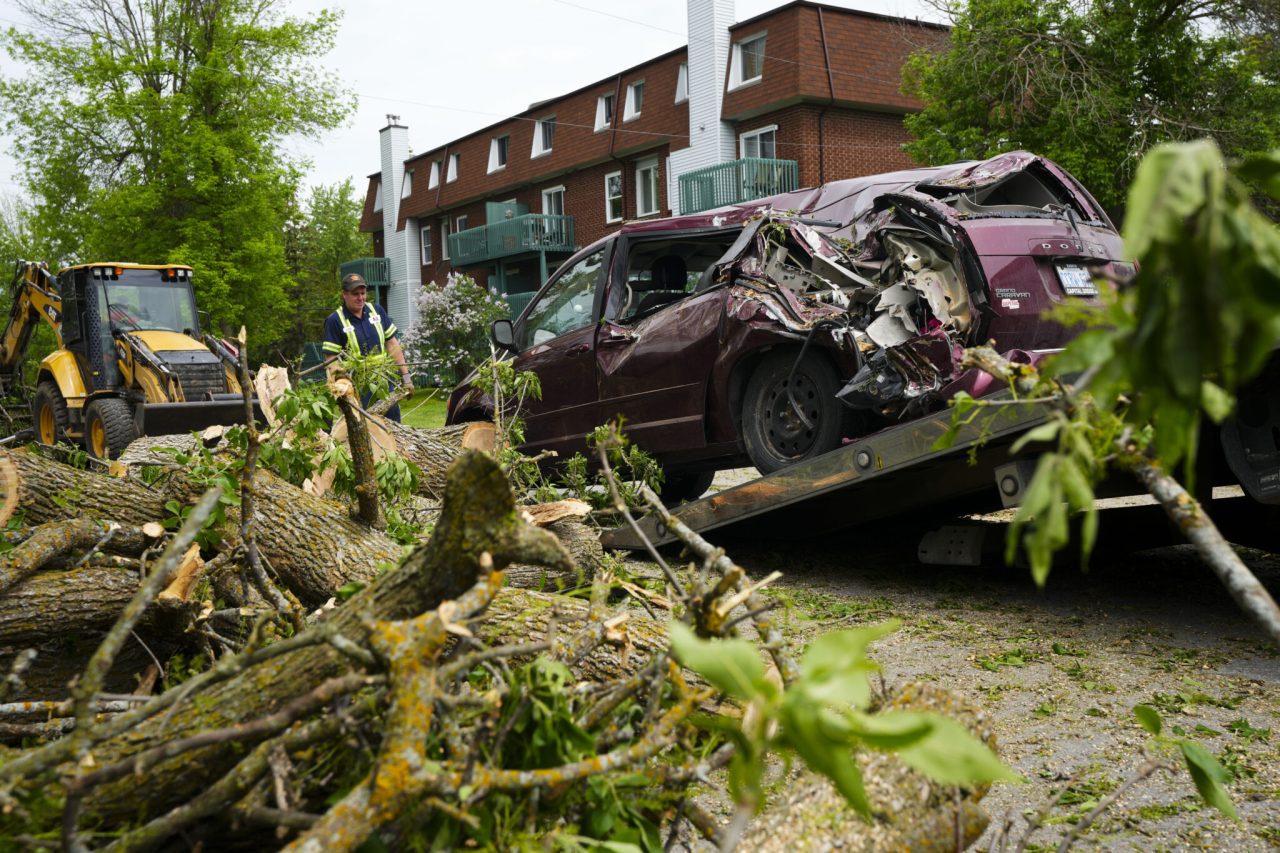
313	545
479	517
582	541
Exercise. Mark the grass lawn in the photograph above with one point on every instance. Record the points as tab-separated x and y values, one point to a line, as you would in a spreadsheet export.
426	409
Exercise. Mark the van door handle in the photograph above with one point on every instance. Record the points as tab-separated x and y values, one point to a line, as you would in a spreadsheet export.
579	348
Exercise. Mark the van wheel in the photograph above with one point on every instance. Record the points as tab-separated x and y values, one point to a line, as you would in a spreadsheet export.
774	433
49	413
681	488
108	427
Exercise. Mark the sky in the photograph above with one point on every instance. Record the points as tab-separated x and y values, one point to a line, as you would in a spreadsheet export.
488	59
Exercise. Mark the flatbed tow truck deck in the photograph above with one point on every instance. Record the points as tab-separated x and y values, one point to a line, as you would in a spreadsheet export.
886	474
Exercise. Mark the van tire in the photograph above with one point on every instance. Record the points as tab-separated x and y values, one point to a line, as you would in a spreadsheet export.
774	435
108	428
682	488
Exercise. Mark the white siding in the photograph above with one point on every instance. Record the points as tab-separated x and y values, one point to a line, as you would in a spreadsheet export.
711	140
400	245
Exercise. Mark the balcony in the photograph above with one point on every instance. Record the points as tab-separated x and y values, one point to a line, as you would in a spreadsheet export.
735	182
375	271
529	232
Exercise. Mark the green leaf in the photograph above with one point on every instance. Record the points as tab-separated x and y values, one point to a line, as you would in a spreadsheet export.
1168	187
1262	170
949	753
802	731
835	666
1218	403
731	666
1148	718
1046	432
1209	777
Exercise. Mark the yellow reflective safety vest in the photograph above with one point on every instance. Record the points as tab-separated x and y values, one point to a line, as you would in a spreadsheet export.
353	343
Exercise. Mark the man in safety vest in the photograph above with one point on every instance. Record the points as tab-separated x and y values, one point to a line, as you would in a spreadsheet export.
360	327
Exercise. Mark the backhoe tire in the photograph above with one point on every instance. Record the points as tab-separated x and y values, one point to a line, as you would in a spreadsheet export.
49	413
108	428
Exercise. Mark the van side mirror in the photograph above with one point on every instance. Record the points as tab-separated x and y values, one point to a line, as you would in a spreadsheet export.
504	335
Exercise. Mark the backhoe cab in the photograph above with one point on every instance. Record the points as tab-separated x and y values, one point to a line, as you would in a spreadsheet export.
129	360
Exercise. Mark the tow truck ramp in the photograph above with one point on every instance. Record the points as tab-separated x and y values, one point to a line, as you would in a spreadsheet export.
889	473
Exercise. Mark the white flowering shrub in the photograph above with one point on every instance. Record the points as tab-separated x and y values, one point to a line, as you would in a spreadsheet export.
452	335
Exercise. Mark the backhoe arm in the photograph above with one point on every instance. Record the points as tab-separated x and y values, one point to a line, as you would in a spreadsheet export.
35	296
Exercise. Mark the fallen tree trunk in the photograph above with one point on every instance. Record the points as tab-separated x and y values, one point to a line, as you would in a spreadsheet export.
313	546
479	517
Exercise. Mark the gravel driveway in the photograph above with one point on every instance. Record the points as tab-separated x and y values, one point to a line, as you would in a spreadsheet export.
1058	672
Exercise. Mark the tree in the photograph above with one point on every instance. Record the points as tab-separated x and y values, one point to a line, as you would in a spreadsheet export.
153	132
1094	84
325	236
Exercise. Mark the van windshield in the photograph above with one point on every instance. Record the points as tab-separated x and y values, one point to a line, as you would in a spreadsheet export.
140	300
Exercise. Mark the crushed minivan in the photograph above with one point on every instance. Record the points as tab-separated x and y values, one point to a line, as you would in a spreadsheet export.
772	331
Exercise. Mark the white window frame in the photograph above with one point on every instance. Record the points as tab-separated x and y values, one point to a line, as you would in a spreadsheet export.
641	167
736	80
377	197
622	200
553	191
424	238
635	100
406	184
496	147
444	238
758	132
455	164
682	83
433	179
539	131
603	119
460	224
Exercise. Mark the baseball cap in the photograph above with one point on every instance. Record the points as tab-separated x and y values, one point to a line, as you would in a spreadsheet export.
351	281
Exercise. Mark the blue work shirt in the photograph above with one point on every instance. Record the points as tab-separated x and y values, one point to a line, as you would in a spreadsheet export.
335	340
366	335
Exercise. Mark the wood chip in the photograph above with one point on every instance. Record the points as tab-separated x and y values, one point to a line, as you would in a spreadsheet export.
550	513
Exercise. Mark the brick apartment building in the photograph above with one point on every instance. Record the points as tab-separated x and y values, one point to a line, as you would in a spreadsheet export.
803	94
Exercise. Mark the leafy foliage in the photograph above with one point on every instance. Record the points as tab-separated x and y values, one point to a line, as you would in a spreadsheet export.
156	133
1094	85
823	717
1208	775
452	335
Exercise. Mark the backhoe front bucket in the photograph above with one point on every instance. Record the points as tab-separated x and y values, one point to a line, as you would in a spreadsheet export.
182	418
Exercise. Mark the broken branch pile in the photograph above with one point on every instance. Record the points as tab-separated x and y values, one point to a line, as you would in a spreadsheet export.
432	702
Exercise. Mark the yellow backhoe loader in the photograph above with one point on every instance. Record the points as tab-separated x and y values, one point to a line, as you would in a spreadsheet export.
130	359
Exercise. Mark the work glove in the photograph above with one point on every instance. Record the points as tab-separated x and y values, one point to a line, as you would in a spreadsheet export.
407	384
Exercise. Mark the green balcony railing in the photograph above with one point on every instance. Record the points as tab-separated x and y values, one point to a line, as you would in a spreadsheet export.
376	271
531	232
735	182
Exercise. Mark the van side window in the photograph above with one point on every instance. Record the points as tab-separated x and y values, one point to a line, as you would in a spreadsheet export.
566	305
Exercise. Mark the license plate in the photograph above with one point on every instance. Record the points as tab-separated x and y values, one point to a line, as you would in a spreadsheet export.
1076	281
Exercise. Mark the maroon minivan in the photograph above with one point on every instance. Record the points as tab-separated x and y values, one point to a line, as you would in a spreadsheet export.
768	332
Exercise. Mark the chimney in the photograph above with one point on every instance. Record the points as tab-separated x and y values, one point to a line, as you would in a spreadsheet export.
400	246
711	140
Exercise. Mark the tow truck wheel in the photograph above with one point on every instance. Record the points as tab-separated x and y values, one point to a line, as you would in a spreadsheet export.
775	433
49	413
108	427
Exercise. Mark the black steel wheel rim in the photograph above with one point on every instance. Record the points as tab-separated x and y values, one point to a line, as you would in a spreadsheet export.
786	432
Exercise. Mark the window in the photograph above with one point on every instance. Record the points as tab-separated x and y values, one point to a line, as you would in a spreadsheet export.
647	187
567	303
433	180
635	100
498	153
759	143
553	201
682	83
406	185
748	61
604	111
613	197
425	236
377	197
444	238
460	224
544	136
455	160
